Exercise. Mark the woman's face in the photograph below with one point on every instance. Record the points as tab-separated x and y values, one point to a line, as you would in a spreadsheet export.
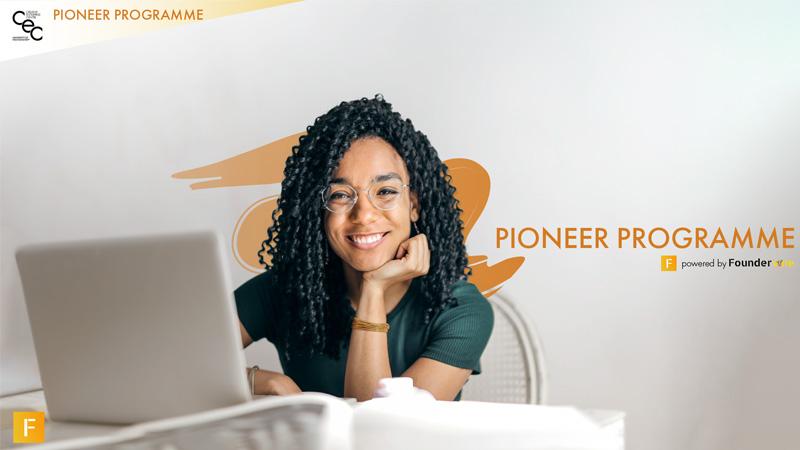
352	235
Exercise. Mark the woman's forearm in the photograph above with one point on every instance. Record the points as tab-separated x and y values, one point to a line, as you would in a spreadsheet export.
368	354
274	383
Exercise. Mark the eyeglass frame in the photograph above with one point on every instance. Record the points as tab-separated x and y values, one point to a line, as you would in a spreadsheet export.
369	197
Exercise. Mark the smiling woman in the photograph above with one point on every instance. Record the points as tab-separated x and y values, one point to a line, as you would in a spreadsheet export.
367	273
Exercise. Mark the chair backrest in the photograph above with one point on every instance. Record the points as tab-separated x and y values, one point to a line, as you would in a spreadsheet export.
512	365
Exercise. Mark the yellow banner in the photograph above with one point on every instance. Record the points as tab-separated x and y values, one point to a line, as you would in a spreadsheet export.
33	27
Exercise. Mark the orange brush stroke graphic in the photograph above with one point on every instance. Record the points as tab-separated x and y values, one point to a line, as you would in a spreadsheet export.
489	279
472	189
250	231
264	165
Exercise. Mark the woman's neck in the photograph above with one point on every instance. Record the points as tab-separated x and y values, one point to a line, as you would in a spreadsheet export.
391	297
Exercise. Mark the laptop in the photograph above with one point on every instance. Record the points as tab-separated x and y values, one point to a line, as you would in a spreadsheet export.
134	329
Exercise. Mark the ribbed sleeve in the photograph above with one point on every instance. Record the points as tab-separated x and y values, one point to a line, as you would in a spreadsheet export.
460	333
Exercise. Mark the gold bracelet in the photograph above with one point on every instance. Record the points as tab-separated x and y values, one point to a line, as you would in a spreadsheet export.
359	324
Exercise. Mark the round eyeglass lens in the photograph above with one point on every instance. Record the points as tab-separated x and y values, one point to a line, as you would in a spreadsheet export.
339	197
386	195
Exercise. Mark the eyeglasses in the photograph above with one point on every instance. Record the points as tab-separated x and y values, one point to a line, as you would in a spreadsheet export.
383	194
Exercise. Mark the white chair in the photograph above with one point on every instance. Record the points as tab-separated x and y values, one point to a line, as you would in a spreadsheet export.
512	365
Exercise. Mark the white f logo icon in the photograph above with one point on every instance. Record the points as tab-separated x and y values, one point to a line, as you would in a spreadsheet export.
26	427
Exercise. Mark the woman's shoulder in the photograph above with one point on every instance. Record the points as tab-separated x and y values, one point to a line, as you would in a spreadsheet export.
264	279
470	305
260	287
255	304
461	331
467	293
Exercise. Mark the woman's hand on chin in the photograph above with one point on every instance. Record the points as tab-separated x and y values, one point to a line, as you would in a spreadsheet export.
411	260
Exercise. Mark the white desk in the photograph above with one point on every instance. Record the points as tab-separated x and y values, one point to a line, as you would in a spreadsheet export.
34	401
462	425
305	421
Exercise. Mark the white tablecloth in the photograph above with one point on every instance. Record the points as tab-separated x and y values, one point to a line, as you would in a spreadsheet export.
394	424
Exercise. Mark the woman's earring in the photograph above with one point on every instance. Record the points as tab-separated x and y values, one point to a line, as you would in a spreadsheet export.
327	251
415	227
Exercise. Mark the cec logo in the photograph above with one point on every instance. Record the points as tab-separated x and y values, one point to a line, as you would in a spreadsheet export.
668	263
28	427
28	26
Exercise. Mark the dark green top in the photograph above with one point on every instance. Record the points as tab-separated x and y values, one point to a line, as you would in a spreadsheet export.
455	336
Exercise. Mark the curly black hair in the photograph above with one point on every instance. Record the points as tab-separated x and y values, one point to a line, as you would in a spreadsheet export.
308	275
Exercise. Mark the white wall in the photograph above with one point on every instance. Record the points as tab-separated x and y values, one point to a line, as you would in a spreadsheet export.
597	114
